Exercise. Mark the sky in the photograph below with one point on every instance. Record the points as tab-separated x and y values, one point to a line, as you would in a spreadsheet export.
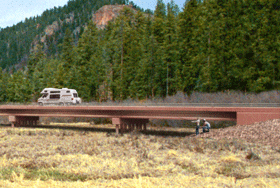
151	4
14	11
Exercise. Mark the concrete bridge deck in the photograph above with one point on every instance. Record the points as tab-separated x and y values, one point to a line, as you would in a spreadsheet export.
127	117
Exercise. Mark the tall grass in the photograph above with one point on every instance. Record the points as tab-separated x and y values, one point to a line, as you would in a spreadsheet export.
60	158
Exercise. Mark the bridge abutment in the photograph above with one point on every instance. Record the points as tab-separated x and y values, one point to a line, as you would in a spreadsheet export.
129	124
22	121
247	118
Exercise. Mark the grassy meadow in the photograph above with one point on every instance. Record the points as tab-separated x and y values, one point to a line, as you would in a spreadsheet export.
44	157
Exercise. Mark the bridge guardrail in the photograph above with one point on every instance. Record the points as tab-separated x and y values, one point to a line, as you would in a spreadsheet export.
165	104
187	104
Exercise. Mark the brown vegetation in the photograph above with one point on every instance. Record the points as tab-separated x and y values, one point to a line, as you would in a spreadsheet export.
267	133
78	158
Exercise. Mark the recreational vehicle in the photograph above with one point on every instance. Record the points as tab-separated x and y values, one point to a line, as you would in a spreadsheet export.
59	96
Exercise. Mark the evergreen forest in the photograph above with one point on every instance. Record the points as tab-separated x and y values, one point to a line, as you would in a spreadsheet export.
208	46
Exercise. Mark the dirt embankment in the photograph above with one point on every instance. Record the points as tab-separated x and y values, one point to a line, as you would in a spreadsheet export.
267	133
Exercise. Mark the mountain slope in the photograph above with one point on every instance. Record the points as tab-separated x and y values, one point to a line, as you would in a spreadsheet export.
18	41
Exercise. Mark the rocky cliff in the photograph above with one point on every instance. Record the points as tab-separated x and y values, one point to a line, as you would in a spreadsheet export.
107	13
100	18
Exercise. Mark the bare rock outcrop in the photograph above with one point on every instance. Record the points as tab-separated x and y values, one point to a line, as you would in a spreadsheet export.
107	13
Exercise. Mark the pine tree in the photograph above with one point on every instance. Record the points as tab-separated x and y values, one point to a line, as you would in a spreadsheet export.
37	55
68	58
49	73
68	54
87	48
3	86
18	88
34	67
189	37
118	46
158	36
213	76
159	21
139	58
171	49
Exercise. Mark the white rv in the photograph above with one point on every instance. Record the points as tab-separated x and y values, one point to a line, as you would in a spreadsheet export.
59	96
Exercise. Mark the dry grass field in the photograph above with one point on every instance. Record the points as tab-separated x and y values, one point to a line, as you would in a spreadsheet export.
50	157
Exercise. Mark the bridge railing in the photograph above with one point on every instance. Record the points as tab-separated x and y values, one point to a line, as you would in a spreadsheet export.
186	104
164	104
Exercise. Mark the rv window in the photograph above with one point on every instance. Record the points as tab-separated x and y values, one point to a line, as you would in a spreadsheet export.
44	95
68	91
54	96
46	91
75	95
55	91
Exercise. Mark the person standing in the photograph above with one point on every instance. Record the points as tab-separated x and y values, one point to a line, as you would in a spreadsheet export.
197	126
206	126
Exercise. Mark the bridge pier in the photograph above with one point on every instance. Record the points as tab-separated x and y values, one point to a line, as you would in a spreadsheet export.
129	124
22	121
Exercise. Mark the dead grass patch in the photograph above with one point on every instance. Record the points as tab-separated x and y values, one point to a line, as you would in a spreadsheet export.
63	158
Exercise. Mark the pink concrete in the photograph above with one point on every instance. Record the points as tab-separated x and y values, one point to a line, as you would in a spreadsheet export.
20	121
116	121
128	125
245	118
187	113
243	115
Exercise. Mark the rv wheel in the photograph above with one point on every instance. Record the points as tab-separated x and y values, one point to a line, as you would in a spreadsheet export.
61	104
41	104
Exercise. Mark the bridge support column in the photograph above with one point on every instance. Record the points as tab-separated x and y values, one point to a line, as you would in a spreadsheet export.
129	124
21	121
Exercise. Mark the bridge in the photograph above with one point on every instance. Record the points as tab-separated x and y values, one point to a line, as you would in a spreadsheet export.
127	118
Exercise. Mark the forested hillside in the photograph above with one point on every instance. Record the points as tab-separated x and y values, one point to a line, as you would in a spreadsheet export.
17	41
209	46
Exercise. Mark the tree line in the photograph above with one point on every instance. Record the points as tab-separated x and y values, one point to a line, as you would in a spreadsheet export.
209	46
